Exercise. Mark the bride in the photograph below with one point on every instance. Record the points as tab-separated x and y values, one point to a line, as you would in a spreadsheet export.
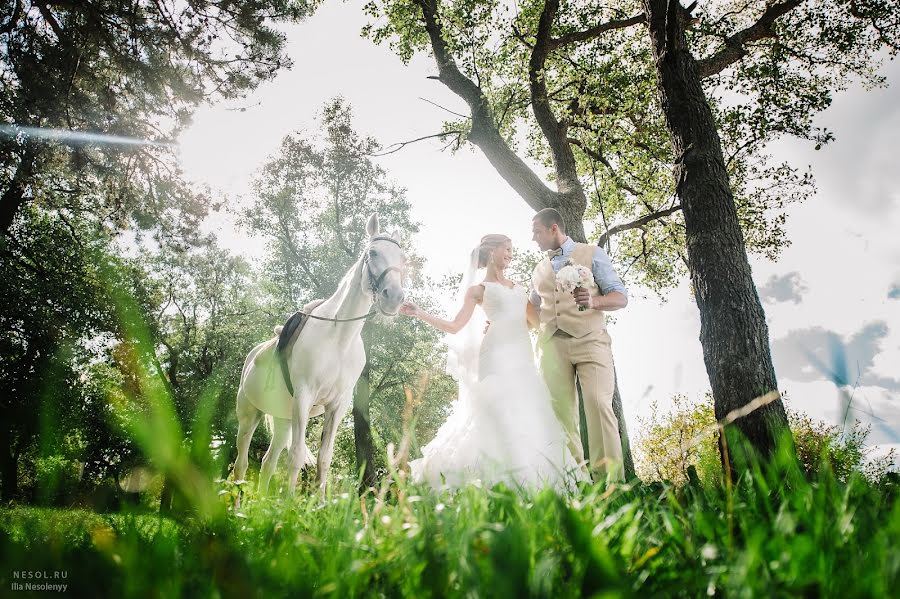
502	427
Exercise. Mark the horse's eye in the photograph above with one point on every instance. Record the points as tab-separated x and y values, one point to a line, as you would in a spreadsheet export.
373	254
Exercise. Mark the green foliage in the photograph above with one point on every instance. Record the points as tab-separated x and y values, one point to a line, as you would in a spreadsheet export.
208	306
685	436
135	70
771	534
601	87
672	441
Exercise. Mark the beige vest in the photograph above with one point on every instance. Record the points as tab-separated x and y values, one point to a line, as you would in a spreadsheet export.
558	308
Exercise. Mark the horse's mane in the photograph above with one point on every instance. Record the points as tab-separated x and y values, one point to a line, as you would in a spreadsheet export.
347	280
291	328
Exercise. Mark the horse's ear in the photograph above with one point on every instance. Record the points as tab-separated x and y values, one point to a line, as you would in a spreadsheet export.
373	226
396	236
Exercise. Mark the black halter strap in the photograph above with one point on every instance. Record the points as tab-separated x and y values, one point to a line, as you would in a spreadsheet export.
375	282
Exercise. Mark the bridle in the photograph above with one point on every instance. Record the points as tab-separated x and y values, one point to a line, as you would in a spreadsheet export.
374	282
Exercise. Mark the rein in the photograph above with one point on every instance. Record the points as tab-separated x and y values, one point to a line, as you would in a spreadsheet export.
313	316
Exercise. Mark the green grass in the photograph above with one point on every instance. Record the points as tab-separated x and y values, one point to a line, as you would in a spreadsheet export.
776	535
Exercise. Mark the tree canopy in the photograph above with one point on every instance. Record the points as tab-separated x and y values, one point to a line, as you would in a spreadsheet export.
576	94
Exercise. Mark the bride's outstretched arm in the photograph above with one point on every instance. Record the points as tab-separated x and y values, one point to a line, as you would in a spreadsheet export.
473	296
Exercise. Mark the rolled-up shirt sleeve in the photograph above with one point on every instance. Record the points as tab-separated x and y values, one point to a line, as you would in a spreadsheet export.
604	274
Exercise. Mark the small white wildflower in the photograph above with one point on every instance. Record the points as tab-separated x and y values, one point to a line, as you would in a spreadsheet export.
709	552
439	508
385	519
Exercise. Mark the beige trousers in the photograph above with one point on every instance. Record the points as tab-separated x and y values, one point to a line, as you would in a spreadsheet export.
590	359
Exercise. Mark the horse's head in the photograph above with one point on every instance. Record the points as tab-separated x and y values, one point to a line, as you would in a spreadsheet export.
385	265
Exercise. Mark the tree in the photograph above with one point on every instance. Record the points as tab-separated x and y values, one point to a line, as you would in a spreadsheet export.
644	125
312	201
133	71
93	93
53	304
208	303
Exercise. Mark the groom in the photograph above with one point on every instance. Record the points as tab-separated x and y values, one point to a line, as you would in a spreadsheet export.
575	343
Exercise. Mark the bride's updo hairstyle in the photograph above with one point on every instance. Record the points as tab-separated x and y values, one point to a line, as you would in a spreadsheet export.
488	244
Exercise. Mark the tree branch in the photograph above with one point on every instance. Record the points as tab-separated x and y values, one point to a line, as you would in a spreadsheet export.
637	224
735	45
596	31
14	196
443	108
54	24
11	24
601	158
484	132
554	130
403	144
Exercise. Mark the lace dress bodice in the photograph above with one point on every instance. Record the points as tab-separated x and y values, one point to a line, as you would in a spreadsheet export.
506	345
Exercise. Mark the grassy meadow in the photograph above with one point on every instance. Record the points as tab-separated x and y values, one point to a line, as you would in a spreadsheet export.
769	534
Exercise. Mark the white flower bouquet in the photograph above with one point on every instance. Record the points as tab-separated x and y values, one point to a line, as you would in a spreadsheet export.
572	277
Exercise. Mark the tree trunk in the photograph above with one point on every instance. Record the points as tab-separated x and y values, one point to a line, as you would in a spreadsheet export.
9	467
362	430
627	459
733	329
14	197
165	497
362	424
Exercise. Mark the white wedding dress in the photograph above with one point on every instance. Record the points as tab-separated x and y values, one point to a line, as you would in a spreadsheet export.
502	427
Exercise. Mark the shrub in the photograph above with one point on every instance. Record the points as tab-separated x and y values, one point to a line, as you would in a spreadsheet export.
673	441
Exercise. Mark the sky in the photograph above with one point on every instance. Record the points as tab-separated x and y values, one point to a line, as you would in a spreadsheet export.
834	292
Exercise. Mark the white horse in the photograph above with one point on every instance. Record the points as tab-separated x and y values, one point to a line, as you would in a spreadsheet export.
322	364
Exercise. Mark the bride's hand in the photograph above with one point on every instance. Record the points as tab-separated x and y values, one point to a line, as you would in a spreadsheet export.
409	309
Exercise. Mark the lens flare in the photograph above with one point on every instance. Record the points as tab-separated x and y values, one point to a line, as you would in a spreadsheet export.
76	137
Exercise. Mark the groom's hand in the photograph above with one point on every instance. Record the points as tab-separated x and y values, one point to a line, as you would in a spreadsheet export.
583	297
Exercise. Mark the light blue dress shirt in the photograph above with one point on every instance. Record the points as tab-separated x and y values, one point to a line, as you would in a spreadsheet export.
604	275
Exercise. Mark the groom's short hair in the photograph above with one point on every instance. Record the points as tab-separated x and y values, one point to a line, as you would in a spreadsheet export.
549	217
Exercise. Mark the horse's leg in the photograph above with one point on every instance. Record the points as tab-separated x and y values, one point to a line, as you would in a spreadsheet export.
333	418
281	436
303	401
248	419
